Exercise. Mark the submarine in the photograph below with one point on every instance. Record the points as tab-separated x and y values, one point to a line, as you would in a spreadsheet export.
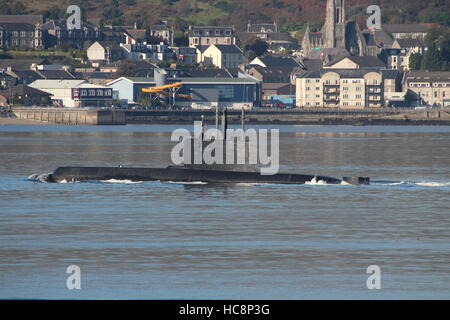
193	173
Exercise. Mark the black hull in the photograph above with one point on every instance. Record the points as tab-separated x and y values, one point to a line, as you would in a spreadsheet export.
171	174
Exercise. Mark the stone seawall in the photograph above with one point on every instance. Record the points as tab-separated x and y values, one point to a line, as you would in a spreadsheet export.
71	116
299	117
276	117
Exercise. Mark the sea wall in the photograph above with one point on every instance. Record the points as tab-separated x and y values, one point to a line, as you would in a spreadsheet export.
71	116
275	117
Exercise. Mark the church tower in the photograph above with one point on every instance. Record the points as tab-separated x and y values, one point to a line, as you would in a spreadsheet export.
330	24
335	23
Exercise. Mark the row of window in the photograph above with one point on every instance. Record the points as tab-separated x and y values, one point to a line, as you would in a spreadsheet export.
217	33
344	88
436	94
329	82
428	85
345	96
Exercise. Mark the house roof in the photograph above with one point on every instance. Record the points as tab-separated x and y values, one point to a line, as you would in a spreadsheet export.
21	64
211	31
22	89
16	26
22	18
228	49
378	38
201	48
408	28
274	61
363	61
422	76
56	84
137	34
312	64
351	73
274	74
56	74
27	76
100	75
206	73
263	27
113	45
410	43
281	36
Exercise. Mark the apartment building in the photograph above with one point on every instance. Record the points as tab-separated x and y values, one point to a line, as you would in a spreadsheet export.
346	88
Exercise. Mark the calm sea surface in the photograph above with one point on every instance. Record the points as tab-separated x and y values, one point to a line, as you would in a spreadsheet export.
171	241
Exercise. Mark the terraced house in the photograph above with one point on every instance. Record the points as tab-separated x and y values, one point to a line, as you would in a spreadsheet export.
206	36
21	35
429	88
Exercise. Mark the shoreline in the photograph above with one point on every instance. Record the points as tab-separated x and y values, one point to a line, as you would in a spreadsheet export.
330	122
82	117
17	121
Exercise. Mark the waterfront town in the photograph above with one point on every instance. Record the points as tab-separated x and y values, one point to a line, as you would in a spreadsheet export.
338	66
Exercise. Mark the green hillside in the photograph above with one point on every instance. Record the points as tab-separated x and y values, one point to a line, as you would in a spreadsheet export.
289	14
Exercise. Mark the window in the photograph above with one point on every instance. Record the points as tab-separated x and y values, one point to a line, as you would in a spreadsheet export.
308	88
358	96
226	93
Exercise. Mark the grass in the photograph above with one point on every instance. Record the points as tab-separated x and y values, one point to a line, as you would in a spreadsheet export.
28	54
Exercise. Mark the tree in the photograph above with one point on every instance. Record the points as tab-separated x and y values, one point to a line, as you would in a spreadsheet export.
437	57
415	61
180	39
254	47
127	68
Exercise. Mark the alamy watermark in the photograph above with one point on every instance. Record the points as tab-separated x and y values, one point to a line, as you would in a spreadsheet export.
374	21
73	281
374	281
74	20
232	147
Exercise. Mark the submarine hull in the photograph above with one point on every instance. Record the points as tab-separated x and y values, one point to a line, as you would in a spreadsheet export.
173	174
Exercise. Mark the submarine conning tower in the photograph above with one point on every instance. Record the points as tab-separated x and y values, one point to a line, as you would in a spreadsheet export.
238	144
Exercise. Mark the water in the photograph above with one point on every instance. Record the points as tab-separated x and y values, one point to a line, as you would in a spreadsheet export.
172	241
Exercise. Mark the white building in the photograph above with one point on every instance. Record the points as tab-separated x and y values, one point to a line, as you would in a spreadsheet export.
75	93
223	56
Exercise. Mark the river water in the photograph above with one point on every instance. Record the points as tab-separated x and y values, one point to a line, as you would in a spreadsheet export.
157	240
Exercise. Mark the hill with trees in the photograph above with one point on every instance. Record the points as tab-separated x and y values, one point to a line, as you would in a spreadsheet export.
289	14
